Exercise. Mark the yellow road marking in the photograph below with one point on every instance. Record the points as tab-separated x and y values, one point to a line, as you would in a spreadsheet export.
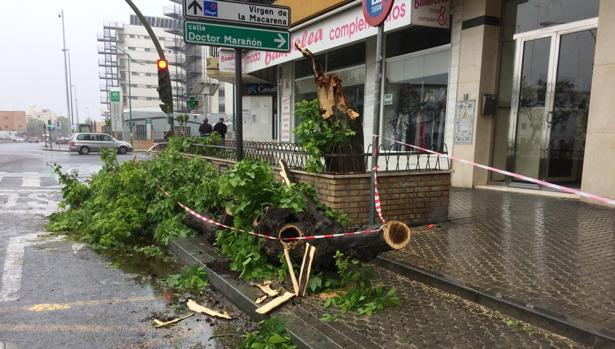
64	306
21	327
48	307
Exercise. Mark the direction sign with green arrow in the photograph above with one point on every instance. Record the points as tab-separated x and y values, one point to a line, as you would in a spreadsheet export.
237	37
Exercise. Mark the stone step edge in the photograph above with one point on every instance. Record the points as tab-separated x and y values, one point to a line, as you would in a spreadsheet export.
303	333
536	317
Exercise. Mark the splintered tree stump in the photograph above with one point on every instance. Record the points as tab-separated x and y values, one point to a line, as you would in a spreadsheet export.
280	223
334	107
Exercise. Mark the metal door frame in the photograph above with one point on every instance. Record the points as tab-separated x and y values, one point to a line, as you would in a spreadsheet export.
554	33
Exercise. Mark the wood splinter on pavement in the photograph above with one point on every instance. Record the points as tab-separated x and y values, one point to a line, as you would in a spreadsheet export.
306	268
266	288
159	323
260	299
291	271
275	303
196	307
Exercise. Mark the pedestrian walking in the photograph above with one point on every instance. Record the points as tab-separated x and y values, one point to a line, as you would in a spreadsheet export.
205	128
221	128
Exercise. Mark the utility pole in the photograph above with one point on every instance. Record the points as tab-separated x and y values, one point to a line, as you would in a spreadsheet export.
64	50
76	109
70	82
238	106
376	124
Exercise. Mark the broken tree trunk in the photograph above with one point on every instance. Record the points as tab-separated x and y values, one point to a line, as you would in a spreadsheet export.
334	106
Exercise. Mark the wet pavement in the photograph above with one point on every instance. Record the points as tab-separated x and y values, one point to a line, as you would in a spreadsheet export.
57	293
430	318
555	256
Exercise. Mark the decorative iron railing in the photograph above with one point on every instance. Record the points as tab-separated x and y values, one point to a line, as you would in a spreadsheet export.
341	160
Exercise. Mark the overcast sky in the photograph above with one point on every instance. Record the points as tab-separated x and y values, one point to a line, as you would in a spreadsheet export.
31	60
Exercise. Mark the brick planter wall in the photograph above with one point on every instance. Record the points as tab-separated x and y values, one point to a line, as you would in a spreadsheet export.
411	197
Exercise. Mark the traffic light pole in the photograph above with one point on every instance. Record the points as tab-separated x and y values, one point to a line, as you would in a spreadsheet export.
154	37
238	106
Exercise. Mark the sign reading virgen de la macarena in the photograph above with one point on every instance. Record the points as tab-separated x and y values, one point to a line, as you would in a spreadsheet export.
235	12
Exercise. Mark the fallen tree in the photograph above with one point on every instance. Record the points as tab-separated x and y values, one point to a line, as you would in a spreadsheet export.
284	223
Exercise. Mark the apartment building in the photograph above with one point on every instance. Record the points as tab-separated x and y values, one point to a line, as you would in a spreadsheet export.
128	47
13	120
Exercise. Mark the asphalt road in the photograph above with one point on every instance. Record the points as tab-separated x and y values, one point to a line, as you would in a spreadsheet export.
55	293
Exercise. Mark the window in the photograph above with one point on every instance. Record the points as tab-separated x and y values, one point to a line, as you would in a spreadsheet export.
147	49
415	98
85	137
140	132
132	48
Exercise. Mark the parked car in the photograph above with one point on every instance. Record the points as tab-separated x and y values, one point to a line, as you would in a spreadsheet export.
33	140
19	140
62	140
84	143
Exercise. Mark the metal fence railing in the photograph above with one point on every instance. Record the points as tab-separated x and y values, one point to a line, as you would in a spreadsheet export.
341	160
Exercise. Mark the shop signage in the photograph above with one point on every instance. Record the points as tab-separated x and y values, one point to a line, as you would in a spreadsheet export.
259	89
431	13
252	14
333	31
376	11
201	33
464	122
226	60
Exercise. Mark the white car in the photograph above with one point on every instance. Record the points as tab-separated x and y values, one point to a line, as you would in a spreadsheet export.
84	143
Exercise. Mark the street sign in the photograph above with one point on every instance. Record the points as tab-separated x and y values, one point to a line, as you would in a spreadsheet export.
376	11
209	34
238	12
115	96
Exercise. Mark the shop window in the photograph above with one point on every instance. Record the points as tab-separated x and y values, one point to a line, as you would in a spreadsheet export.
525	15
415	99
348	56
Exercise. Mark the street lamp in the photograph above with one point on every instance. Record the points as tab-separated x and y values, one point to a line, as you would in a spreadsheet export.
130	59
76	107
69	110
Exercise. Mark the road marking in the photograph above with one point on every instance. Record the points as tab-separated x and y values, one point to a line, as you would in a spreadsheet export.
13	265
77	304
30	181
70	328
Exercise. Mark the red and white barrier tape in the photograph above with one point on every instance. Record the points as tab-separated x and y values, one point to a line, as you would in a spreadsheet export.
269	237
591	196
377	195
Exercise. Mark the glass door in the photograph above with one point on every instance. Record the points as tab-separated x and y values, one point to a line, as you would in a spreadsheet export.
552	84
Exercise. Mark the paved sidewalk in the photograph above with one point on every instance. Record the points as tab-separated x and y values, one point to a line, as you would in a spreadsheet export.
552	255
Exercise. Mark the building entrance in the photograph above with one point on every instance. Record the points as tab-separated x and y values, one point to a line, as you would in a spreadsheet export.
550	101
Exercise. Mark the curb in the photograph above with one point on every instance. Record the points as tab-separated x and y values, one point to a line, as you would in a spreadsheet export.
58	150
304	331
536	316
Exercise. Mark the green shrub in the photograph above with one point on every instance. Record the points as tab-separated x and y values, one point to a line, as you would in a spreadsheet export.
317	135
191	278
271	334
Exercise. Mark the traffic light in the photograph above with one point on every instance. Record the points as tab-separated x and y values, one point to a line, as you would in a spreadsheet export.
49	125
165	91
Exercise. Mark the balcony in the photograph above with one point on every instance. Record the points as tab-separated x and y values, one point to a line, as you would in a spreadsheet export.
113	25
108	76
173	11
176	45
107	37
178	76
104	50
178	30
107	63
